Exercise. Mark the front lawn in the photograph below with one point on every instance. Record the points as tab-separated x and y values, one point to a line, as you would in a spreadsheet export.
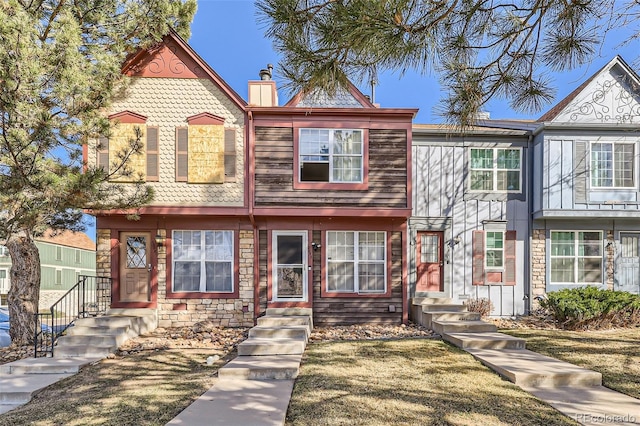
407	382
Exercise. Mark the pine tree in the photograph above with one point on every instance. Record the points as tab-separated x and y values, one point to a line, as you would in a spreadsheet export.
59	68
480	49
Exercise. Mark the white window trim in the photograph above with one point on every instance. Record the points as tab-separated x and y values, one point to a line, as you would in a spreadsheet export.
55	278
613	169
59	251
203	260
486	258
576	257
494	171
330	154
356	264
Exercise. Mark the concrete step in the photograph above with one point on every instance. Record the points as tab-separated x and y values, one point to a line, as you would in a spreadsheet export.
476	326
116	340
46	365
284	320
266	367
431	301
483	341
147	319
18	389
429	317
96	330
289	331
72	351
105	322
290	312
255	346
443	308
530	369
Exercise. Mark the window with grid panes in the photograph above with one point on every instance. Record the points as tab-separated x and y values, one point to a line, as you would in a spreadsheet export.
331	155
495	169
356	262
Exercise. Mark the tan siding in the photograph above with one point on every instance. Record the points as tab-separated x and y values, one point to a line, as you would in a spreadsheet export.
275	174
156	99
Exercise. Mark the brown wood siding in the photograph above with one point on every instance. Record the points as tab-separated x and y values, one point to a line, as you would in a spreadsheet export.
360	310
262	285
275	174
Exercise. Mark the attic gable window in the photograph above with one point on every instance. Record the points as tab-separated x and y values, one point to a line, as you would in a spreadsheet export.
612	165
331	155
495	170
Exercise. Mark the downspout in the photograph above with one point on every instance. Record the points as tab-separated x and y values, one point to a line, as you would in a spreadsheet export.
527	284
256	241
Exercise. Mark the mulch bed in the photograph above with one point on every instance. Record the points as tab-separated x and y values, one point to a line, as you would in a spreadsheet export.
207	335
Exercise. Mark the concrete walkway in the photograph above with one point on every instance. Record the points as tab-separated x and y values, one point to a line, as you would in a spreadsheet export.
254	389
20	380
574	391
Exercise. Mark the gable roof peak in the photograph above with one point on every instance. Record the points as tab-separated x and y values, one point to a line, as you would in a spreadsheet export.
593	100
344	97
174	57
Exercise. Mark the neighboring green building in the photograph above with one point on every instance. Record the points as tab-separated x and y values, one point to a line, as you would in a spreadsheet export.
63	257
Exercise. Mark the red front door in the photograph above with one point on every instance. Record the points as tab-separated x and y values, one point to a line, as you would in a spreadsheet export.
429	261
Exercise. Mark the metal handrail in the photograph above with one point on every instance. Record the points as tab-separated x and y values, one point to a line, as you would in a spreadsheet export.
90	297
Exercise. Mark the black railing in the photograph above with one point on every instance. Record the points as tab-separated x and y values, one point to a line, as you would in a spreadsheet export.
90	297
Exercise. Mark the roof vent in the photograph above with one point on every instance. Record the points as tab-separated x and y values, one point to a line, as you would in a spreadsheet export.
265	74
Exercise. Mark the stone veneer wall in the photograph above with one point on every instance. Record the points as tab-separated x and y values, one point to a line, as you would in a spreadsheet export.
223	312
538	266
610	251
103	261
538	263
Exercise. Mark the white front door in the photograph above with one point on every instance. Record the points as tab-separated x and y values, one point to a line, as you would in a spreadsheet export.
289	266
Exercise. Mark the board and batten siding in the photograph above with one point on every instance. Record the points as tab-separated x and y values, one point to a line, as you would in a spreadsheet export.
274	173
562	177
441	203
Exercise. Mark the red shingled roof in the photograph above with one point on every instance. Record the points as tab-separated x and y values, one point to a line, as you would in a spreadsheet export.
68	238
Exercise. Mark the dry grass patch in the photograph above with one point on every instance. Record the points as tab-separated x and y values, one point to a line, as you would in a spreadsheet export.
407	382
146	388
614	353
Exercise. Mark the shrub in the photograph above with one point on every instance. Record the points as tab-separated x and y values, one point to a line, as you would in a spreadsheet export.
483	306
592	308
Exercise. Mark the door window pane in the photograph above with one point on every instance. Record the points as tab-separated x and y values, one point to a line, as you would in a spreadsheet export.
429	250
136	252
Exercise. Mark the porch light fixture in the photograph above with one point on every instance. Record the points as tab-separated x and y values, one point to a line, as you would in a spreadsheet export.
315	246
160	240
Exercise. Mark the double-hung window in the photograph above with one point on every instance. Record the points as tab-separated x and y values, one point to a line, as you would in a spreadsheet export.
331	155
495	170
576	257
203	261
356	262
494	250
612	165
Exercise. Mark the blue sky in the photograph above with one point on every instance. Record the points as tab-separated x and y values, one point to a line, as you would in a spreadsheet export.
226	34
